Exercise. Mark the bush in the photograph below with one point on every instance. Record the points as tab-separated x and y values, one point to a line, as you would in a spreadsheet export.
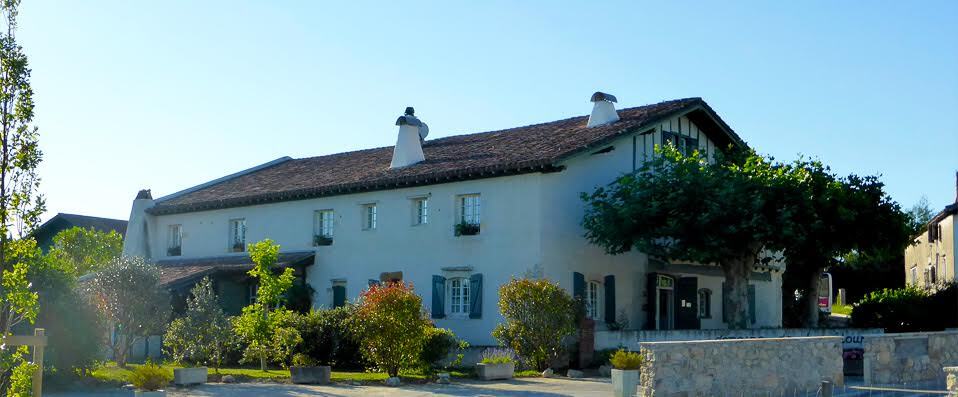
302	360
204	333
272	340
538	316
602	357
440	342
326	338
497	355
626	360
908	309
391	325
150	377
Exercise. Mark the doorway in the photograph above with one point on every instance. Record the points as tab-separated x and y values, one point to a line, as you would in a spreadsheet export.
664	302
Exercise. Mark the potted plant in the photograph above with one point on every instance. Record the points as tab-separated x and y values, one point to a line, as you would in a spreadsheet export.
467	229
149	380
496	364
306	370
322	240
625	373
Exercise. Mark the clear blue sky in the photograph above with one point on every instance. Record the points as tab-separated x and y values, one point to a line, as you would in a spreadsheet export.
166	95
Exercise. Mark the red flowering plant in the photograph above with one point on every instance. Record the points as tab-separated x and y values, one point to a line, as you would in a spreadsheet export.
391	326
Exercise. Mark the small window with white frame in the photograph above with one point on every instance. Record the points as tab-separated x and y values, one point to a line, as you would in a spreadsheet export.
174	240
323	221
237	235
468	213
458	296
420	211
592	301
369	216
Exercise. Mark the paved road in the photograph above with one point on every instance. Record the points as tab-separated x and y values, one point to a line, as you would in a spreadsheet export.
589	387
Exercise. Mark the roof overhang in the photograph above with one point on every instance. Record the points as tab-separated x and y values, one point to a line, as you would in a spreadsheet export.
179	272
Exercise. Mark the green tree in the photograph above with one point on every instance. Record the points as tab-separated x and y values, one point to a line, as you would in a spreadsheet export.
80	251
920	214
838	217
263	334
204	333
20	204
729	213
390	324
127	294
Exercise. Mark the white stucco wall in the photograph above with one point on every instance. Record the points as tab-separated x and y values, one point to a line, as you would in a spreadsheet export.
529	223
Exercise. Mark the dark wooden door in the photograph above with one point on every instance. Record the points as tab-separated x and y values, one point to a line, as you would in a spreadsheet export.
686	303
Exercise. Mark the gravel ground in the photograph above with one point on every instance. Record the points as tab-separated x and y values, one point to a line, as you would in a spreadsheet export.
587	387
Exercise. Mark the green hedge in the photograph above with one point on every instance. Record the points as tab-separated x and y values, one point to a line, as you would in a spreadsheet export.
908	309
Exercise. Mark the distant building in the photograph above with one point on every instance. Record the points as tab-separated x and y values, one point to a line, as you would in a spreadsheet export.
457	217
930	260
45	233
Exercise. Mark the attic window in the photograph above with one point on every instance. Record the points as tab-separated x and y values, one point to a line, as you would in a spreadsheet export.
604	150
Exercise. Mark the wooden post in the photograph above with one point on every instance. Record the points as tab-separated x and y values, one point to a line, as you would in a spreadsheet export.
38	361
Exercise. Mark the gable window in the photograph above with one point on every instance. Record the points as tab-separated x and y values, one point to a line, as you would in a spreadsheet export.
469	210
592	300
323	227
369	217
458	296
685	145
420	211
237	236
705	303
174	240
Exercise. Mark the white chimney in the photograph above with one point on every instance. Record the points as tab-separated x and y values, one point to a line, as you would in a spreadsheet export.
412	133
603	110
137	239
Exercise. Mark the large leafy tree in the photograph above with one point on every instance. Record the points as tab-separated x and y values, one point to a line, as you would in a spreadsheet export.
839	217
127	293
728	213
80	251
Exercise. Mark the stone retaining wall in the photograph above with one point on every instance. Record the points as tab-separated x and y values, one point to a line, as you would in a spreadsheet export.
740	366
909	357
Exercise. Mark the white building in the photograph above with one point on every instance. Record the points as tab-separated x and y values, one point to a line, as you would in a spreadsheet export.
457	217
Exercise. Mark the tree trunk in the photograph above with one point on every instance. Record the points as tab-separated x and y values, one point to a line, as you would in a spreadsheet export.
811	304
262	363
736	302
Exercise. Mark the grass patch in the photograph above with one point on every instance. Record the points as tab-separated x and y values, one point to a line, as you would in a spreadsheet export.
529	373
842	309
112	375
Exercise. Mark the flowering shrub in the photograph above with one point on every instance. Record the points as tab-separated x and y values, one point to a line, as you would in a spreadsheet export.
626	360
150	377
497	355
391	325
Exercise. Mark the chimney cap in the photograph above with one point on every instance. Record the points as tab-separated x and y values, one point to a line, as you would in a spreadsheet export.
601	96
144	194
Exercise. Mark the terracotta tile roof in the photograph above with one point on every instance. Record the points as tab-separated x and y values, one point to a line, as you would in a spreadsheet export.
175	272
533	148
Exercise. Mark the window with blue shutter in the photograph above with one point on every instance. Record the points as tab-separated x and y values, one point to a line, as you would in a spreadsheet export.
438	297
339	295
475	296
609	299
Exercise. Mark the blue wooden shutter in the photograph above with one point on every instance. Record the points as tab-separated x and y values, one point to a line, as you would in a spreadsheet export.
438	297
578	286
609	299
339	295
475	296
751	303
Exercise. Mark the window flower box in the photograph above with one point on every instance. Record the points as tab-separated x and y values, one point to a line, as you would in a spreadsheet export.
190	376
239	247
322	240
488	371
174	251
467	229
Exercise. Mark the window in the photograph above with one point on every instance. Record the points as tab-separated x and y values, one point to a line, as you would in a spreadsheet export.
459	296
174	240
914	274
237	235
685	145
592	300
323	227
253	289
469	209
339	293
420	211
705	303
369	216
